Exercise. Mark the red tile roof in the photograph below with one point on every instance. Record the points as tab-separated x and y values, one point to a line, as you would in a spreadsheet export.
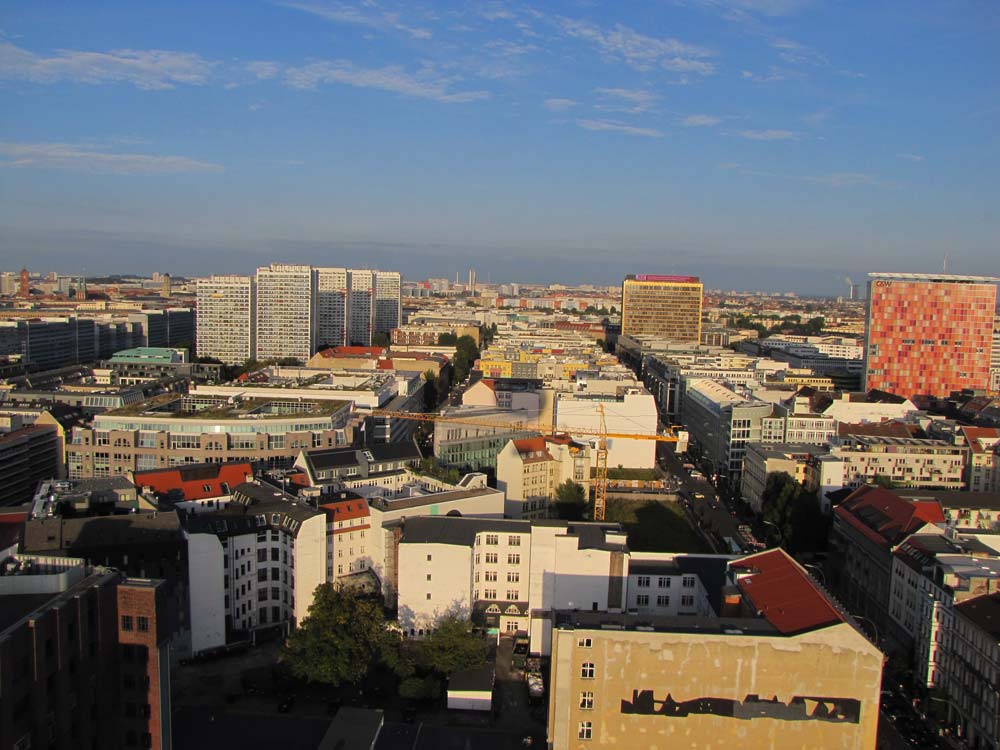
784	594
11	523
195	482
974	436
344	510
886	518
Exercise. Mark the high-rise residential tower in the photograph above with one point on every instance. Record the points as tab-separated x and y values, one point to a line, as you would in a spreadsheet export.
388	312
331	306
927	335
665	306
286	311
226	318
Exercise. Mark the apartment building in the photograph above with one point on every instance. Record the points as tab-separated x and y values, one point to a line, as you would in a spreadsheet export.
27	456
258	561
907	462
174	429
85	654
762	460
286	312
631	410
982	466
226	319
667	306
795	671
722	423
530	469
332	291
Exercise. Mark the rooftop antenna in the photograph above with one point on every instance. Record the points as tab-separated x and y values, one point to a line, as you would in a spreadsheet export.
944	266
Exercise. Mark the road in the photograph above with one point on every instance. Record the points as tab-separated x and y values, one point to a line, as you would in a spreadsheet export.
711	514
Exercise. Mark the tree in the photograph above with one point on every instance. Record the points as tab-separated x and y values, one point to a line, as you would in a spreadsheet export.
447	339
431	399
381	338
571	498
881	480
793	515
466	354
340	640
451	647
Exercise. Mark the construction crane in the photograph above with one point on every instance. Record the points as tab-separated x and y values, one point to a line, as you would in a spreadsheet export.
602	435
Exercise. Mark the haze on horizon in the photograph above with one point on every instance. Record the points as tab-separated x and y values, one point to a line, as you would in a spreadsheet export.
759	144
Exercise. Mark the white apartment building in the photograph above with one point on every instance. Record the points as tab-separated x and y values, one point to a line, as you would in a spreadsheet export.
907	462
632	411
530	469
286	311
352	305
255	564
668	584
331	307
982	471
761	460
225	319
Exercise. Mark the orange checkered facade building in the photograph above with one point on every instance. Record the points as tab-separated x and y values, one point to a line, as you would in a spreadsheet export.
928	335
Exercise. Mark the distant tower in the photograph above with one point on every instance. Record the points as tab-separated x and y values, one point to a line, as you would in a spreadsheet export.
472	280
25	288
81	288
165	288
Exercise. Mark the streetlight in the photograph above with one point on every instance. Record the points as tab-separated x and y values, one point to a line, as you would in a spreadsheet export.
772	523
818	569
951	705
872	623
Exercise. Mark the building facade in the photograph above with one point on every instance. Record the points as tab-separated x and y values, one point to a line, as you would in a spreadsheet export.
667	306
226	318
286	312
928	335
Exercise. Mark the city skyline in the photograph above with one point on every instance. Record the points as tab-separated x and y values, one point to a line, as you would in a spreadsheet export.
759	144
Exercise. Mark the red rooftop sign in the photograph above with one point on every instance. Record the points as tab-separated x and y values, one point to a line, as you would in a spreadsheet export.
654	277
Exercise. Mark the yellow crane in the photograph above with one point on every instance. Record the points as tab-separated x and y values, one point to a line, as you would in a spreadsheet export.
602	435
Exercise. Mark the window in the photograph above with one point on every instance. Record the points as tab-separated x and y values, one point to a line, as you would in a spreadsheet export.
142	624
587	670
513	577
586	730
514	559
663	582
490	594
126	622
491	557
514	541
663	601
512	595
429	558
642	600
587	700
428	597
643	582
584	642
428	576
688	582
493	539
687	600
491	575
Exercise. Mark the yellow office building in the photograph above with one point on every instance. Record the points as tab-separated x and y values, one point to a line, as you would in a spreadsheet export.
665	306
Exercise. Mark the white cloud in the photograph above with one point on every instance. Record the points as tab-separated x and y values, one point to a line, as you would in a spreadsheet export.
423	85
765	7
633	101
774	74
797	54
842	179
815	119
559	105
368	13
770	135
911	157
88	158
144	69
264	70
637	50
612	126
700	121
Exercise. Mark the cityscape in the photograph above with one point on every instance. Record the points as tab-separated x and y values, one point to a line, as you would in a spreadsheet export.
396	376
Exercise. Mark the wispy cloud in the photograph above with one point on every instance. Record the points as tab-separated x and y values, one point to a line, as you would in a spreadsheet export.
911	157
769	135
613	126
426	84
264	70
796	53
633	101
368	13
639	51
815	119
761	7
144	69
559	105
87	158
842	179
773	74
700	121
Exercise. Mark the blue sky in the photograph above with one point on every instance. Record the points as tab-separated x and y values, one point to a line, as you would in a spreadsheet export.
764	144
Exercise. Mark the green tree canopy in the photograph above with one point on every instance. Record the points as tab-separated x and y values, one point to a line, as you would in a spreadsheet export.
571	499
447	339
381	338
451	647
340	640
466	355
792	514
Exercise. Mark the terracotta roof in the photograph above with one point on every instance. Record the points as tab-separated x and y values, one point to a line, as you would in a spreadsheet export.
886	518
344	510
975	436
11	523
784	594
195	482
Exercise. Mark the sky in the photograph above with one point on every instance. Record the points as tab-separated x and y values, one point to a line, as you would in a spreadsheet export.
759	144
